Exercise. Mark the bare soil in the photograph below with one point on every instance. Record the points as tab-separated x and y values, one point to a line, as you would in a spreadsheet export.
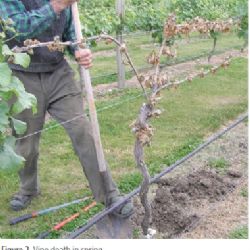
219	220
173	211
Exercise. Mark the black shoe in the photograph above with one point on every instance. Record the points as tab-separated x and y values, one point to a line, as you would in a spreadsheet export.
125	210
20	202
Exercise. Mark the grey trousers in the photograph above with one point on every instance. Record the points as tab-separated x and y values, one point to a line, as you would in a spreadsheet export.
58	93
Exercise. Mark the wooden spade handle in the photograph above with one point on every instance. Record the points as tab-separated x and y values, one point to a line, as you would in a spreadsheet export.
85	75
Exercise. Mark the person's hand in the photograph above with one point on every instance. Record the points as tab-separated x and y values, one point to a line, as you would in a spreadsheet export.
60	5
84	58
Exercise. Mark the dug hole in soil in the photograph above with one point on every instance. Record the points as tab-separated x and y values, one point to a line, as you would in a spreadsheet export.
179	202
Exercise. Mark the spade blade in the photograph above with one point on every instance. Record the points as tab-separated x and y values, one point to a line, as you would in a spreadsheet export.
113	227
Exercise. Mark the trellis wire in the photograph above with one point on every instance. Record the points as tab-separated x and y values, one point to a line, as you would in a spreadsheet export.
79	116
108	211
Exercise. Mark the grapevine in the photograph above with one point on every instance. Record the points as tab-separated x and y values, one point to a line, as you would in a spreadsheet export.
157	81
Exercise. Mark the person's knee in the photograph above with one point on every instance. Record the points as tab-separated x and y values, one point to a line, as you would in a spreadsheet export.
28	150
79	128
81	134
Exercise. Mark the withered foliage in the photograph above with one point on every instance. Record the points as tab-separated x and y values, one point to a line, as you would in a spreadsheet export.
172	29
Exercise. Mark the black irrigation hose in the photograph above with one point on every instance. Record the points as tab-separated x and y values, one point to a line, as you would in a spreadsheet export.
107	211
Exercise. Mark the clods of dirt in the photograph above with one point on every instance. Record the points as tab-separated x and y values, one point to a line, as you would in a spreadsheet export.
175	208
170	212
234	173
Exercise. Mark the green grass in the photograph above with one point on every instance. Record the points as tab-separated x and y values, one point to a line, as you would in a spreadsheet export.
219	164
193	112
136	234
244	192
239	233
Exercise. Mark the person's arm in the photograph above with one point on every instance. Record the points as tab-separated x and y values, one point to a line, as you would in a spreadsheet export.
27	24
83	56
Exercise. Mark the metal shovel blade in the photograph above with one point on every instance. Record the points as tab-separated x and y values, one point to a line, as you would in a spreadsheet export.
113	227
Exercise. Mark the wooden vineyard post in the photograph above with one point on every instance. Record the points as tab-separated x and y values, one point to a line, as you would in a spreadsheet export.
120	9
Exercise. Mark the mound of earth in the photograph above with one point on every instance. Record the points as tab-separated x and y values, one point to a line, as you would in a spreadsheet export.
174	209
